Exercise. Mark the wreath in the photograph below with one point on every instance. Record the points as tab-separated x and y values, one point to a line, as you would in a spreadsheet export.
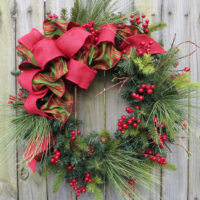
69	55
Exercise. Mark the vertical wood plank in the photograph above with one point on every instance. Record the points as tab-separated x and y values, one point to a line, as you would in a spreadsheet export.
175	15
30	13
194	162
8	175
64	190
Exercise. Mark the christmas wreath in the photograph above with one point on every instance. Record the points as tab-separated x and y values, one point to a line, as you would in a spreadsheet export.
69	55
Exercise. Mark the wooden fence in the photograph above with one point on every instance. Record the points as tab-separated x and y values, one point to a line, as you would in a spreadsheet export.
17	17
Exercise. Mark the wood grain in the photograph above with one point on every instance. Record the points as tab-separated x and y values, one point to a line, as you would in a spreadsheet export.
194	141
8	174
175	185
29	14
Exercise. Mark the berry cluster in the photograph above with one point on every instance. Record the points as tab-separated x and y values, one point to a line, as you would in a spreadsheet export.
186	69
90	27
20	98
56	157
144	88
54	16
140	20
131	183
78	132
124	123
144	47
155	157
70	167
77	189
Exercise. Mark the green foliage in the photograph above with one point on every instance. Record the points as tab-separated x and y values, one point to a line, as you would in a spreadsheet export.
145	64
93	188
156	26
63	14
99	11
60	176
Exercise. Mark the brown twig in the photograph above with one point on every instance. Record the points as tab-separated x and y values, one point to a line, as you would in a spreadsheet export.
173	40
168	147
122	82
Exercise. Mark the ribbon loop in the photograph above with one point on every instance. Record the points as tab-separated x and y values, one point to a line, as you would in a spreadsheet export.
45	51
80	74
72	41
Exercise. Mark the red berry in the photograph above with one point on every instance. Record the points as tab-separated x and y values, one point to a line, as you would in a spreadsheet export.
90	180
58	153
86	179
173	76
71	184
135	124
132	15
141	98
143	152
153	158
130	121
146	155
147	21
84	25
137	96
149	152
163	125
73	137
139	121
149	91
96	39
87	175
50	16
157	155
123	117
131	20
124	51
96	31
73	180
10	102
138	18
78	132
119	26
137	107
138	22
119	128
20	93
141	90
91	29
161	146
122	131
142	43
52	160
133	118
92	23
56	157
186	69
55	16
69	167
120	120
56	162
134	95
75	188
12	98
73	132
152	86
143	86
78	194
130	195
124	24
145	25
146	30
143	15
127	109
185	126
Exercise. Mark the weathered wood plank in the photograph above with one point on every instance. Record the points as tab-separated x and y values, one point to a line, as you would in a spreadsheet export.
8	175
174	13
29	14
194	162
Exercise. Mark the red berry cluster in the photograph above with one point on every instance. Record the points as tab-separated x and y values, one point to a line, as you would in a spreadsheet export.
56	156
140	20
70	167
132	181
186	69
90	27
77	189
20	98
144	47
148	88
124	122
123	25
88	178
78	132
54	16
155	157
